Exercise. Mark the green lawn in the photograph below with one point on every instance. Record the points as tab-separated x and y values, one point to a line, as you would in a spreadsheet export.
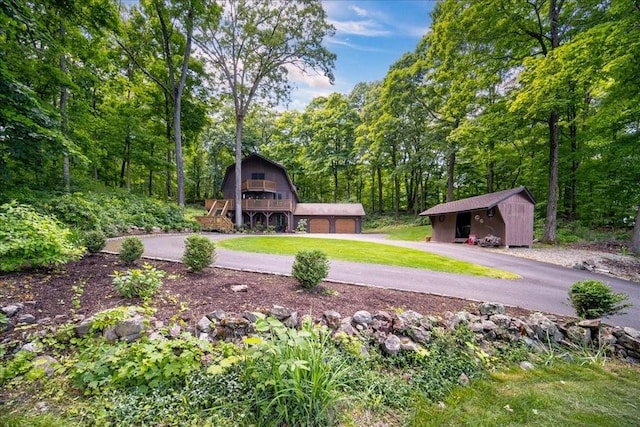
411	233
560	395
365	252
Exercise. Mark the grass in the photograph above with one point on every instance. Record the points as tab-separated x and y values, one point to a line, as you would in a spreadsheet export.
364	252
410	233
560	395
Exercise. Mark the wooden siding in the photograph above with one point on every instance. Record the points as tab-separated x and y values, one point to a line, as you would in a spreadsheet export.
517	212
443	231
269	205
273	174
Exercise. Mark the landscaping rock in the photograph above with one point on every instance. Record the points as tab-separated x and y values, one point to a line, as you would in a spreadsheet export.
332	318
463	380
630	343
419	334
83	328
175	331
12	310
131	328
204	324
501	320
291	321
26	319
633	333
32	347
240	288
362	317
411	317
490	308
544	328
579	335
526	366
279	312
217	315
251	317
392	345
406	344
590	323
110	334
47	363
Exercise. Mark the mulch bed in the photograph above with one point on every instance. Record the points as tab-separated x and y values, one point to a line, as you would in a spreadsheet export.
186	296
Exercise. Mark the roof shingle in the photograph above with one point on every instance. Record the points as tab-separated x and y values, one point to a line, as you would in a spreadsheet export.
485	201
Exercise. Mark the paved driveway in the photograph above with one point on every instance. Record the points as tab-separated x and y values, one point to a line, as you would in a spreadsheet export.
543	286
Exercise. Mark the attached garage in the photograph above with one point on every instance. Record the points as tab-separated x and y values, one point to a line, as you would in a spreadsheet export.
345	218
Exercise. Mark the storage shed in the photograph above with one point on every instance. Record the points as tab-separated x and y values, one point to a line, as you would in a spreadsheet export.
506	214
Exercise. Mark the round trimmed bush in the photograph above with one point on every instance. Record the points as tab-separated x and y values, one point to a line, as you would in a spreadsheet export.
131	250
94	241
199	252
143	283
593	299
310	268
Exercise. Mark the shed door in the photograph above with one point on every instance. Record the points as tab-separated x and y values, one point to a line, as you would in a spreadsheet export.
345	225
319	225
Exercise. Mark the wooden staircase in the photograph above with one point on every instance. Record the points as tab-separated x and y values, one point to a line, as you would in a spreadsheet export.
216	218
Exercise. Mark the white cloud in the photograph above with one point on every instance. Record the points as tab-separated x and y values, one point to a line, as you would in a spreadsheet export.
367	28
355	46
311	79
359	11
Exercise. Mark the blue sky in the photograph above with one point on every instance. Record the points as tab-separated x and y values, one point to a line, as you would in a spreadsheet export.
371	35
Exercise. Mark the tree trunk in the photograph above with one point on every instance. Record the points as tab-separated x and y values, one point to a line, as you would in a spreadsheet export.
380	203
451	164
635	239
550	226
64	124
238	189
373	190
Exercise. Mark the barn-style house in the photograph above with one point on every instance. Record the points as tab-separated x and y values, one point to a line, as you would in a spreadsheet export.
505	214
270	200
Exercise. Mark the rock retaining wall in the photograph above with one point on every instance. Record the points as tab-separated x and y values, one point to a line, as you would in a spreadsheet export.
393	331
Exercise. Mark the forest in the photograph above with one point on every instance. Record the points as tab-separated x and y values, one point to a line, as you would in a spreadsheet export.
157	98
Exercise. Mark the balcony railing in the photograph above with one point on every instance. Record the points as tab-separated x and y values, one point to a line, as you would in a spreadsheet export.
258	185
269	205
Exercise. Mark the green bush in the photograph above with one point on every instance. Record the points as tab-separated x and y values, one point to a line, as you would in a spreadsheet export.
137	282
310	267
297	376
75	210
94	241
131	250
593	299
199	252
30	239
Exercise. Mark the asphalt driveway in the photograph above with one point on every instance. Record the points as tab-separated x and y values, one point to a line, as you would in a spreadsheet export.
543	286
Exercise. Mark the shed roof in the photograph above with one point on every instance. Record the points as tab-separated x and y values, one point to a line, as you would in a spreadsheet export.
229	172
329	209
485	201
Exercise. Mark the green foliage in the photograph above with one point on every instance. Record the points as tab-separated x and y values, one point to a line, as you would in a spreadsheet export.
94	241
310	268
199	252
302	226
143	283
29	239
297	378
144	364
593	299
75	211
131	250
18	365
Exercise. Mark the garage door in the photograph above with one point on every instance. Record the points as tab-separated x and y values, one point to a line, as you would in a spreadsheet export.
319	225
345	225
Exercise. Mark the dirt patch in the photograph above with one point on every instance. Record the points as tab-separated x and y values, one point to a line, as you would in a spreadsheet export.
84	287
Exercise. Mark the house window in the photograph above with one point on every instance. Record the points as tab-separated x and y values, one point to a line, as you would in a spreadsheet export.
257	175
279	196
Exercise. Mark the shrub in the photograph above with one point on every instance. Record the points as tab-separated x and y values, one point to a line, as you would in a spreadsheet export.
137	282
302	226
94	241
131	250
30	239
593	299
297	376
310	267
199	252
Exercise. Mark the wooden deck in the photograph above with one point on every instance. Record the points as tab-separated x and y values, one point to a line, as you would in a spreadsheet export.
263	205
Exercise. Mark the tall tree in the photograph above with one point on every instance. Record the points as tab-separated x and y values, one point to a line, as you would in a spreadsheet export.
250	52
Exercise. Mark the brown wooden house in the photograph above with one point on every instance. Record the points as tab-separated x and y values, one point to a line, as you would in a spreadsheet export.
506	214
269	199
